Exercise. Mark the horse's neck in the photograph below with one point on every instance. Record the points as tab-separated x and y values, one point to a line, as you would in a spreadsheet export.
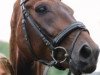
38	68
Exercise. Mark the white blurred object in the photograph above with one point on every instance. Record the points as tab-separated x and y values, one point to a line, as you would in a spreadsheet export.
6	7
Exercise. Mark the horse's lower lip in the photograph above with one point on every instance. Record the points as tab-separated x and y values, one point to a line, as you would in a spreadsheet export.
79	70
90	69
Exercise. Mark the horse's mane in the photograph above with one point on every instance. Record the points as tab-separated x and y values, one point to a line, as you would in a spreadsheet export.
16	56
13	40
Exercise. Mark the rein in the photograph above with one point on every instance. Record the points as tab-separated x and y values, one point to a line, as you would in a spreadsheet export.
54	44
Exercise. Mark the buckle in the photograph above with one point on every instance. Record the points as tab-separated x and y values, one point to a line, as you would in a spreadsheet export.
59	54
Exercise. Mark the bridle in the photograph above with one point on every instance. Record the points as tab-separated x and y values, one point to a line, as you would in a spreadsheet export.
54	44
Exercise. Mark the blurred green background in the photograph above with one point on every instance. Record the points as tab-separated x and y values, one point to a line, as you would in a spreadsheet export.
4	48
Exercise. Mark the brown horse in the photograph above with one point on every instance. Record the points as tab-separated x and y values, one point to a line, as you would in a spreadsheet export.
45	32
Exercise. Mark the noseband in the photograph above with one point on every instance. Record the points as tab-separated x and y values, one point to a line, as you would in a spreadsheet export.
54	44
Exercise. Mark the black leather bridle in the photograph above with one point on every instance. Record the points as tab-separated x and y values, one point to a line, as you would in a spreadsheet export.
54	44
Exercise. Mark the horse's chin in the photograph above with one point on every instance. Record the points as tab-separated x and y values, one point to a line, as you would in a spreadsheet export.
75	69
61	66
79	71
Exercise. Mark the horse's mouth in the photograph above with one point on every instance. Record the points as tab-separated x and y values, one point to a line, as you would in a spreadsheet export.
81	68
89	69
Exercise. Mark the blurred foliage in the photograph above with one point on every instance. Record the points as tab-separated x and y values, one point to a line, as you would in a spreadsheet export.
4	48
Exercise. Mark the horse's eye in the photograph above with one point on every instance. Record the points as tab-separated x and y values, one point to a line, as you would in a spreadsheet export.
41	9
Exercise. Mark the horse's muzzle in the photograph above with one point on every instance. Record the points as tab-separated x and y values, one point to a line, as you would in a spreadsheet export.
85	60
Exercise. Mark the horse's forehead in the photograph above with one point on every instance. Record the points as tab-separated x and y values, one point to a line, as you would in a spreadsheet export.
52	5
41	1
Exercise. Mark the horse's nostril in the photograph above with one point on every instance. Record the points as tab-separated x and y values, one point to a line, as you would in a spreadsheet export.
85	51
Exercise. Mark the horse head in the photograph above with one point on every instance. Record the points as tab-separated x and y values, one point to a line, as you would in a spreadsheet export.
46	31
